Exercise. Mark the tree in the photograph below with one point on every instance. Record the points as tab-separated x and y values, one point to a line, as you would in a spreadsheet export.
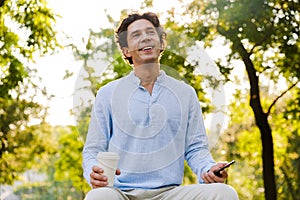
240	142
264	35
26	32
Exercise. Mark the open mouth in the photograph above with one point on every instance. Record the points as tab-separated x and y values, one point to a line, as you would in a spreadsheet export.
147	48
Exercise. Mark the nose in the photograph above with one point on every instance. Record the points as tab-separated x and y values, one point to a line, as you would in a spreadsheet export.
145	37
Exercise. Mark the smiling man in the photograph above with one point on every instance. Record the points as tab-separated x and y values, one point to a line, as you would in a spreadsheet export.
154	122
143	43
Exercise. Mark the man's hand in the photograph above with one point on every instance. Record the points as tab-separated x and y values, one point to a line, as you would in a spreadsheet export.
98	179
210	177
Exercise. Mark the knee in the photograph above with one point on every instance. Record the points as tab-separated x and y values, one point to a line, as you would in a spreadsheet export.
226	191
103	193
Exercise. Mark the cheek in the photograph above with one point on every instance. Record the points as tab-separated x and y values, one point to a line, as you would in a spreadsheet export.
132	43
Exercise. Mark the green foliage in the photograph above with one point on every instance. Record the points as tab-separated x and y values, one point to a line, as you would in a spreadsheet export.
189	176
269	31
263	27
177	67
287	151
26	149
58	155
26	31
35	20
68	165
240	142
265	36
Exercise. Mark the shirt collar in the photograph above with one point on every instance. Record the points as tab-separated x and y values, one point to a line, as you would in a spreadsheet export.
136	80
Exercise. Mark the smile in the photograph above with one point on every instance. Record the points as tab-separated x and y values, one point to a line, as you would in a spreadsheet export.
147	48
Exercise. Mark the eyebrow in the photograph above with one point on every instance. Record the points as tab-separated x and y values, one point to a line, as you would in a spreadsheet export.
134	32
139	30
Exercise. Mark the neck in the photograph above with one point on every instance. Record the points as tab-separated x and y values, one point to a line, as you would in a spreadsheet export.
147	73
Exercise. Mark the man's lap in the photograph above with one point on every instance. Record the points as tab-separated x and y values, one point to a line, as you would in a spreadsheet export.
216	191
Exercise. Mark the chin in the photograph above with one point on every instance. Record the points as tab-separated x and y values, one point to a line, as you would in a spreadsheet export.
152	60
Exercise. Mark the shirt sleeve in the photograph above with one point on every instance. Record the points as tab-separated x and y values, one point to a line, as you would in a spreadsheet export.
98	135
197	153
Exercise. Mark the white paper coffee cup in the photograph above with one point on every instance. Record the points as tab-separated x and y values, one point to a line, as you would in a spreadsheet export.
108	161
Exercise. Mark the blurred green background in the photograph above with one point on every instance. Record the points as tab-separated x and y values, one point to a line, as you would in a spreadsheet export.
253	45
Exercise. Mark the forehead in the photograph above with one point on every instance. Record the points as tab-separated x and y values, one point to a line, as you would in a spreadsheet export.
140	24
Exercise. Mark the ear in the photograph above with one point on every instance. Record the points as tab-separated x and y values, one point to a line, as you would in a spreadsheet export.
162	46
126	52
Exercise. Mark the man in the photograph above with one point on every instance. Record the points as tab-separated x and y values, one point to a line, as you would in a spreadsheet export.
154	122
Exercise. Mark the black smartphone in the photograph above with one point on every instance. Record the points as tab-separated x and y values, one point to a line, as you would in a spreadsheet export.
217	173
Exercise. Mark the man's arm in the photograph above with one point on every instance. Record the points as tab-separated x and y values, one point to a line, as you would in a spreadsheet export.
97	137
197	152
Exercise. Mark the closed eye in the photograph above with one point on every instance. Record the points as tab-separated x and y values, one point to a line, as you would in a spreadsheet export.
135	34
151	32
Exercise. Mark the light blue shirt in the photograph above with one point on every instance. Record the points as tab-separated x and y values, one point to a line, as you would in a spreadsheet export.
153	134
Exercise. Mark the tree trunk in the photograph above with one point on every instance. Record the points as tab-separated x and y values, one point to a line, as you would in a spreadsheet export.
261	119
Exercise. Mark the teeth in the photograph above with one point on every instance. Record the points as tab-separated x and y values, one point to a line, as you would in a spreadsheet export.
146	48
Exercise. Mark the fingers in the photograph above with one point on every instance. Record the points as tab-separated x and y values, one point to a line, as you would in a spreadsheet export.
210	177
118	171
97	169
98	180
224	174
97	177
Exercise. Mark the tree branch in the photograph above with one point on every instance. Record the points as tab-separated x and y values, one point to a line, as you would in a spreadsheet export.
281	95
1	3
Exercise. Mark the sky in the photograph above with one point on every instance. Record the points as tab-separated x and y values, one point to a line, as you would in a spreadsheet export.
75	21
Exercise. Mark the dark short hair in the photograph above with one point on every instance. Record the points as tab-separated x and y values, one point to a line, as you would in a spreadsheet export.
121	32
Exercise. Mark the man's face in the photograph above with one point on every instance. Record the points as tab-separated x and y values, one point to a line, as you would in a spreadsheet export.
144	45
